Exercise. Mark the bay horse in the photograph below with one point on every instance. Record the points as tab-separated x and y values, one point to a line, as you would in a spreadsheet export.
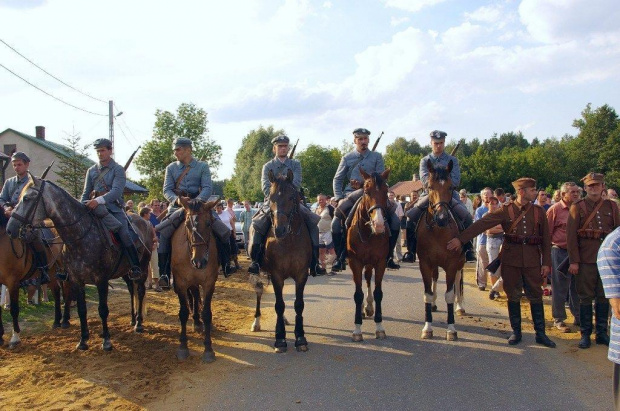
437	226
194	265
368	249
87	254
288	251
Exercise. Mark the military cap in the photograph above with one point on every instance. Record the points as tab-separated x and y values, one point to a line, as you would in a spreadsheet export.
593	178
524	182
102	142
438	135
361	131
182	142
280	139
20	156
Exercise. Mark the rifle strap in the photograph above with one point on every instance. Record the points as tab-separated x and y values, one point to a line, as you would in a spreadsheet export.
582	205
351	172
180	178
100	179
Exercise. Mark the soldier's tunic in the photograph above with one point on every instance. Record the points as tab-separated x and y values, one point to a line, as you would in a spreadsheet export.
583	246
109	195
442	160
11	190
523	249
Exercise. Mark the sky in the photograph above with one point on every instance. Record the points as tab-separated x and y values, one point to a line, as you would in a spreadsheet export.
317	69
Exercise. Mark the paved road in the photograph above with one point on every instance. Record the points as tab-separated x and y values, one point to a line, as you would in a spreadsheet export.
479	371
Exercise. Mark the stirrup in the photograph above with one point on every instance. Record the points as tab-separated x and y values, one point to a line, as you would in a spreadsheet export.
392	265
409	257
317	270
254	268
164	281
228	269
62	275
45	277
135	273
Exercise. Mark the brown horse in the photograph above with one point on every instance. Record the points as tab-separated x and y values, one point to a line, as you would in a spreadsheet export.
368	248
288	252
437	226
194	264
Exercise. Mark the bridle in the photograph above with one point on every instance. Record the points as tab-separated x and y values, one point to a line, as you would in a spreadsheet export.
435	208
289	218
361	221
192	233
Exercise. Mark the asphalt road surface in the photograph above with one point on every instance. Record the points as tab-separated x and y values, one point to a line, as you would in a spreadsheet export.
480	371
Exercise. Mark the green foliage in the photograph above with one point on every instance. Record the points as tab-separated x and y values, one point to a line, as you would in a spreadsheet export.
256	149
189	122
318	165
72	169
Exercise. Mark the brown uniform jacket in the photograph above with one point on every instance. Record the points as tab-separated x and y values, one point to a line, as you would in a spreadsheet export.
516	255
584	250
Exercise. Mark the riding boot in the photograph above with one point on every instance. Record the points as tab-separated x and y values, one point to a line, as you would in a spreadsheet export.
224	253
163	264
134	272
257	253
315	267
339	246
41	262
514	314
412	243
393	239
585	319
601	315
538	316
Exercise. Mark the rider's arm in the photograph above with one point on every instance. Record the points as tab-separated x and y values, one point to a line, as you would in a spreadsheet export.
5	195
296	174
169	185
341	173
424	171
205	181
455	174
264	180
88	187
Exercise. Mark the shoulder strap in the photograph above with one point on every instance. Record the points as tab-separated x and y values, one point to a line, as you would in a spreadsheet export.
351	172
183	174
591	216
100	178
518	219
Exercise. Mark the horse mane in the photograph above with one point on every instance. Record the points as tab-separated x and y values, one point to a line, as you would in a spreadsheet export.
195	204
29	184
283	180
377	178
441	173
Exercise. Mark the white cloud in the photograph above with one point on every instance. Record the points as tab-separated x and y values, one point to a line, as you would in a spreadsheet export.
457	40
486	14
397	21
327	5
411	5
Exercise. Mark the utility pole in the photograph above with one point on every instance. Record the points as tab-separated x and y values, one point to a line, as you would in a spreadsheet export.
111	121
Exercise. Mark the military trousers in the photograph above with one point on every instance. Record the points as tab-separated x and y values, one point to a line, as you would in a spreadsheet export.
518	279
168	226
344	208
261	222
589	285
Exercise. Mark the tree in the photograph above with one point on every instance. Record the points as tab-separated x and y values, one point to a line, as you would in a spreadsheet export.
318	165
256	150
72	169
189	122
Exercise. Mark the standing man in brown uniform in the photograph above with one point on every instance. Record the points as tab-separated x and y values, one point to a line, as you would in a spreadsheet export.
527	242
589	221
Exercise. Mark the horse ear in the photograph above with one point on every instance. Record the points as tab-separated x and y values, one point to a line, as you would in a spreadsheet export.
386	174
272	178
450	165
364	174
33	178
289	176
429	165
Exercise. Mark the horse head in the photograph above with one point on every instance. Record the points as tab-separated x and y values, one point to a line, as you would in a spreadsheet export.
376	199
284	203
198	221
29	211
440	192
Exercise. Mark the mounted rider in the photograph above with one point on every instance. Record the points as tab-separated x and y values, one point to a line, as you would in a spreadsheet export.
187	177
261	222
103	194
349	172
9	197
439	158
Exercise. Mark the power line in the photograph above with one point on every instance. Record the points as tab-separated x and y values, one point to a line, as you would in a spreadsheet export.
124	135
126	125
52	96
50	74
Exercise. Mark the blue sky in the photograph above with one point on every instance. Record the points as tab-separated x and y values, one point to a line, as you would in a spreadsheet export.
318	69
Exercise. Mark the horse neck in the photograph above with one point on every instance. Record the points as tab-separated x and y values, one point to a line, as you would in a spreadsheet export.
65	222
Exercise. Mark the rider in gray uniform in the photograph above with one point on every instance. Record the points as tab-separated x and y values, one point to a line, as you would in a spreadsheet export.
10	197
103	193
280	165
191	178
439	158
348	173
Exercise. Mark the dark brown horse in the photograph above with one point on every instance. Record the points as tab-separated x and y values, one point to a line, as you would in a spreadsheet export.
288	252
194	266
368	248
437	226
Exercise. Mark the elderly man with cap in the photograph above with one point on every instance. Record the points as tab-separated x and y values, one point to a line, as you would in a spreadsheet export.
527	243
439	158
589	221
187	177
348	183
261	222
103	193
9	197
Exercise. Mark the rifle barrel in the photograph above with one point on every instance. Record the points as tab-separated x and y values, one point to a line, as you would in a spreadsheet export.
377	142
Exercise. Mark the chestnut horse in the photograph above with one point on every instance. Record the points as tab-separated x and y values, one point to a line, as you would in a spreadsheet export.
288	252
368	248
436	227
194	265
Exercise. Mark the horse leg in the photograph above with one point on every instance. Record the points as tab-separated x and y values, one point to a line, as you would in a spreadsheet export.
460	298
199	327
368	308
427	279
378	294
259	294
82	313
207	317
132	307
280	344
358	297
435	278
14	305
300	340
138	298
56	291
104	311
69	291
183	351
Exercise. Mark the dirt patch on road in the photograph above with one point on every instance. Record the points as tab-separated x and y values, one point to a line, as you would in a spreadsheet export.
47	372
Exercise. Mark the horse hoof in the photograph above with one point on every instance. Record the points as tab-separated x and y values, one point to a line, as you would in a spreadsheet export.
55	325
452	336
460	312
65	325
427	335
182	354
14	344
199	328
106	345
139	328
255	328
82	346
280	350
368	312
208	357
434	308
280	346
380	335
133	323
302	348
358	337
